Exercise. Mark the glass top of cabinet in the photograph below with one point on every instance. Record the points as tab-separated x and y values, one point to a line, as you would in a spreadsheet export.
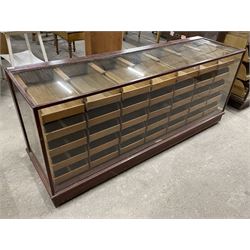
53	83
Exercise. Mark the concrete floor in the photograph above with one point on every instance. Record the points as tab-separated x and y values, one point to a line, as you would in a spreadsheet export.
206	176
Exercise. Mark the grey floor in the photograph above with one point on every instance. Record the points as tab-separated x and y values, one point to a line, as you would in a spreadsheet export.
206	176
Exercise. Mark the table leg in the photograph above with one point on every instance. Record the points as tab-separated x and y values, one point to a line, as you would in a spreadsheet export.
70	49
56	44
158	36
74	46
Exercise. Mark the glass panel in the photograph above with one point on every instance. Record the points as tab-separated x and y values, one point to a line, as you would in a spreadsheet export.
30	128
64	81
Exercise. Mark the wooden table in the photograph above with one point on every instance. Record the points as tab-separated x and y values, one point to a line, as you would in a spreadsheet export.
70	37
95	42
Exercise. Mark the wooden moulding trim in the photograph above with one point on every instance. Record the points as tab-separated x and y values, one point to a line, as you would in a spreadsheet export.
57	115
133	134
104	159
158	124
135	121
114	97
104	146
132	145
69	161
156	135
183	90
65	131
104	118
176	116
139	90
159	112
135	107
108	131
161	98
67	147
71	174
131	159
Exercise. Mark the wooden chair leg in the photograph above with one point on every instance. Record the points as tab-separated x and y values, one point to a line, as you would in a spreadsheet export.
74	46
158	36
56	44
70	49
139	34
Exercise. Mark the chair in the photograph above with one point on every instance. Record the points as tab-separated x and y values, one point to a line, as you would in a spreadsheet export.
21	58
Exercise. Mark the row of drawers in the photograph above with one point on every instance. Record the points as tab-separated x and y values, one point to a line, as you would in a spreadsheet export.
86	139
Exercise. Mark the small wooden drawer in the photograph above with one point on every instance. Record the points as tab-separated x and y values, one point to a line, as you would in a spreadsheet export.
158	123
156	134
182	102
163	81
204	83
66	147
176	125
201	95
100	148
178	115
103	128
135	121
226	61
210	110
216	89
104	118
61	111
56	143
161	98
136	89
65	131
158	112
188	73
221	77
198	106
214	99
186	89
104	132
69	161
70	174
194	117
135	107
103	156
103	99
133	134
132	146
208	67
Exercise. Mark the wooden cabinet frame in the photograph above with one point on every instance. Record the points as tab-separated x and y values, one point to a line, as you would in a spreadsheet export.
126	152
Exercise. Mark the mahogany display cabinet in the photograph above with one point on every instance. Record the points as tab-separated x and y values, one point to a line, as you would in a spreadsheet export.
88	119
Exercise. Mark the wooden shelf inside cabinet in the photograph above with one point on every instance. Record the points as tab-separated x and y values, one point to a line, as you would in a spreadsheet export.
100	115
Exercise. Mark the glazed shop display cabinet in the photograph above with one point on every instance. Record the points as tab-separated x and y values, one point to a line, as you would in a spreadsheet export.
87	119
